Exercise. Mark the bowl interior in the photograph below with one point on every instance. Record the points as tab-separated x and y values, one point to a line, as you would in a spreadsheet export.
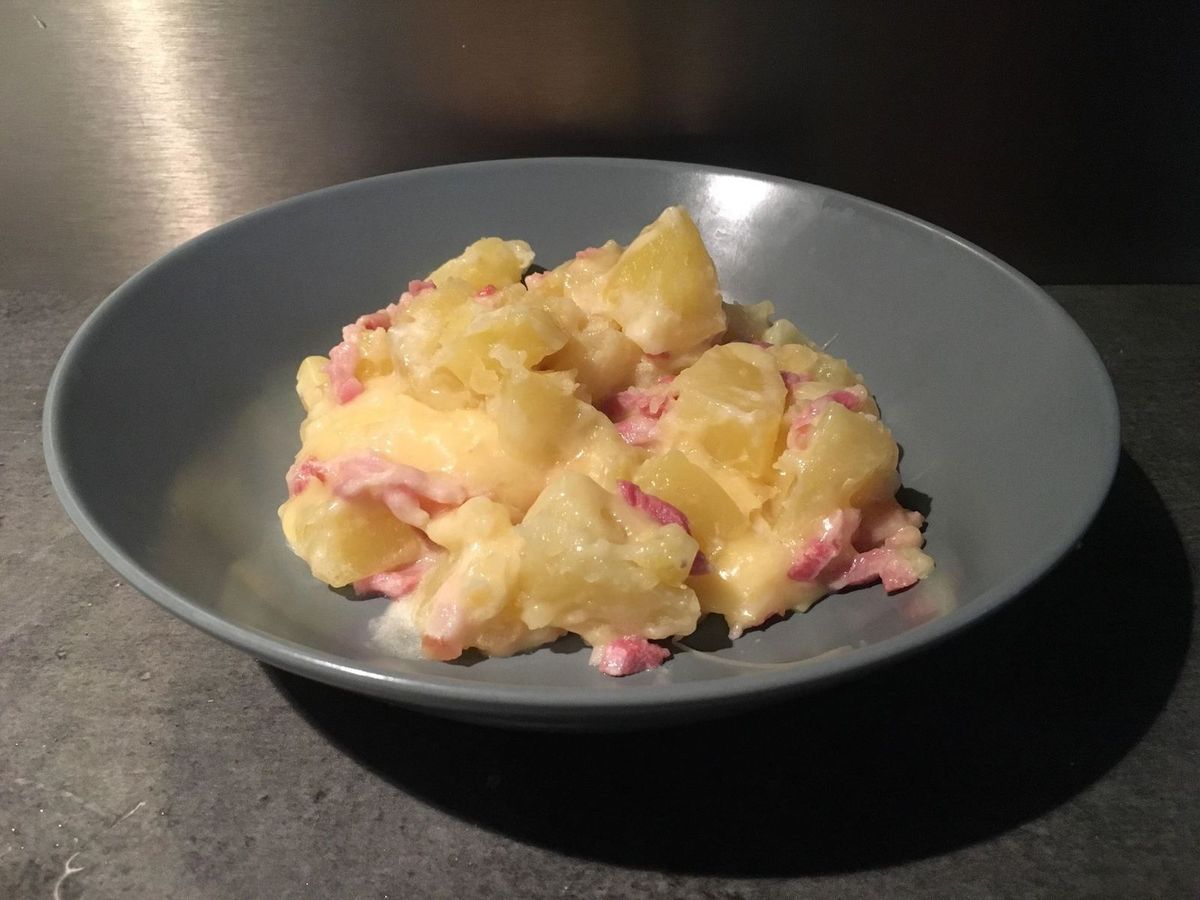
173	417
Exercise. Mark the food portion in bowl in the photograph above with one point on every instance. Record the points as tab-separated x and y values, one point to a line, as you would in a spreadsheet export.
606	449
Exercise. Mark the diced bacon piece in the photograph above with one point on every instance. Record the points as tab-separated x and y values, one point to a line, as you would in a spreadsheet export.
380	319
852	397
411	494
818	552
638	430
618	406
349	389
665	514
627	656
533	279
812	560
300	473
792	380
395	583
488	296
636	412
343	360
652	403
801	427
587	252
655	507
885	564
653	406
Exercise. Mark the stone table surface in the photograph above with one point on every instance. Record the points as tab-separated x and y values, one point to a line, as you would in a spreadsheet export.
1052	751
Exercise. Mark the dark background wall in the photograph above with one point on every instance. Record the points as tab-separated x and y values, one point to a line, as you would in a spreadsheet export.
1063	137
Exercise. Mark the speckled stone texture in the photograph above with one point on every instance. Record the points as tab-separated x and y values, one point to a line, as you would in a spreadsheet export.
1054	751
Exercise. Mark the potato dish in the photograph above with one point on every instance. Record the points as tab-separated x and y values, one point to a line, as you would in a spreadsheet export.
606	448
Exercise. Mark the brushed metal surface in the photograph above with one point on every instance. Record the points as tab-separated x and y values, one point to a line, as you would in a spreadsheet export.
1061	139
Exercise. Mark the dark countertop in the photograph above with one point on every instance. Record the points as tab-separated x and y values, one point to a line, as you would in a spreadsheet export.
1051	751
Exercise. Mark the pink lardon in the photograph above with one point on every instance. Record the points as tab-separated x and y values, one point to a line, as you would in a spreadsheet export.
852	397
652	402
301	473
637	430
343	360
380	319
488	296
664	513
792	380
394	583
636	412
658	509
883	563
833	541
410	493
627	656
801	428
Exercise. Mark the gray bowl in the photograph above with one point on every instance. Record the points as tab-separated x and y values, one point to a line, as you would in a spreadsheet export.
171	419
